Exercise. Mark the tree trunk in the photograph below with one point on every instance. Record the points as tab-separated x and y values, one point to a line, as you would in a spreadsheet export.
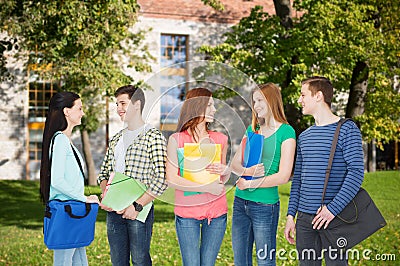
358	90
91	170
283	11
356	105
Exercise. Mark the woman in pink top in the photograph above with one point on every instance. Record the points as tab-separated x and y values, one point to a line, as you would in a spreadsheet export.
200	209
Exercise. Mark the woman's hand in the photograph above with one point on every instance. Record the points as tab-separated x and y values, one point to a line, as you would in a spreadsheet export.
215	188
218	169
255	170
92	199
243	183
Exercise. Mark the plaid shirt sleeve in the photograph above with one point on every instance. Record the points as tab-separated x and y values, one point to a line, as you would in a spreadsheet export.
158	155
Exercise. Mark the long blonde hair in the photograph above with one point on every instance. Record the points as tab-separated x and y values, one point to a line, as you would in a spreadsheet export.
272	94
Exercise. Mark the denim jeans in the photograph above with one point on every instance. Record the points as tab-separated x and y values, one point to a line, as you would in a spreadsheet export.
70	257
129	237
254	222
310	243
200	241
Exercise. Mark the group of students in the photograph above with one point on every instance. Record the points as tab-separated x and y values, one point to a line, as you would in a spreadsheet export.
140	151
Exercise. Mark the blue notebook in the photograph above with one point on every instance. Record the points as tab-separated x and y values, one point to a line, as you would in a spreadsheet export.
252	150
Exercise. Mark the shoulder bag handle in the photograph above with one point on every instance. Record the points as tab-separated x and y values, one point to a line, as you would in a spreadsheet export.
332	154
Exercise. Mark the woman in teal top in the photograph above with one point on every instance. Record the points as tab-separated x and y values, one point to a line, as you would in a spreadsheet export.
256	205
61	178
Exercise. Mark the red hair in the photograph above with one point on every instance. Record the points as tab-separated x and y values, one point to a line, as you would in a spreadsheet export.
193	110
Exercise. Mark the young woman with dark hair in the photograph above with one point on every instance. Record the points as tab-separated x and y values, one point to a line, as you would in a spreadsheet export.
61	178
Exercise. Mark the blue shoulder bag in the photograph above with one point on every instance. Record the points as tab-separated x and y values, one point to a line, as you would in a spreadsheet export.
69	223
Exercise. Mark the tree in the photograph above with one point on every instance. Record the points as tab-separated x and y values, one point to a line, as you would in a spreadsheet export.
338	39
86	43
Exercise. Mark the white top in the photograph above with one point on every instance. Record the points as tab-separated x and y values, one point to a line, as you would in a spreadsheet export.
127	138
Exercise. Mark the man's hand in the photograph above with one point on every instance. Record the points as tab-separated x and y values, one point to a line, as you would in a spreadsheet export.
290	229
129	213
103	185
323	218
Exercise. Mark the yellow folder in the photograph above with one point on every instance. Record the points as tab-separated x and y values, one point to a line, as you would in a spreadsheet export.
197	156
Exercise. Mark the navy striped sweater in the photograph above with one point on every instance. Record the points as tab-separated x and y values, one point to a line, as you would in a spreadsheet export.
313	149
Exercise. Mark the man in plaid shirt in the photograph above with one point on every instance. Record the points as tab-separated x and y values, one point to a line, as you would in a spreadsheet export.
138	151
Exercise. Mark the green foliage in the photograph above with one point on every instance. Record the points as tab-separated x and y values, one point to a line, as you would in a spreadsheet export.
328	39
21	219
216	4
86	43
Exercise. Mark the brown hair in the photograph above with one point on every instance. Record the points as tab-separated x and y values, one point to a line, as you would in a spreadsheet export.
193	110
134	93
322	84
272	94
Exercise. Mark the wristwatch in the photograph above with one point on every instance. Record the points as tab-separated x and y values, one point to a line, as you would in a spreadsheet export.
138	206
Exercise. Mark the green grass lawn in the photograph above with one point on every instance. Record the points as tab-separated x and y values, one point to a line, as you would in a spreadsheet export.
21	218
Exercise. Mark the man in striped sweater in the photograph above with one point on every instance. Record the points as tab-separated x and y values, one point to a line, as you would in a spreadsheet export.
346	175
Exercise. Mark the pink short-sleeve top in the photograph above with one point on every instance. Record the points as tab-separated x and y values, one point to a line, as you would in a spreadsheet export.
205	205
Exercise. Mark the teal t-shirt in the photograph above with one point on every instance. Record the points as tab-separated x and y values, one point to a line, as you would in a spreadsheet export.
271	156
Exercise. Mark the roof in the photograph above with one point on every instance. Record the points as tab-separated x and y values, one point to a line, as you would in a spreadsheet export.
196	10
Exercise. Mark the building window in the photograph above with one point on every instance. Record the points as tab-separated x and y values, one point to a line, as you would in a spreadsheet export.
39	97
40	91
174	54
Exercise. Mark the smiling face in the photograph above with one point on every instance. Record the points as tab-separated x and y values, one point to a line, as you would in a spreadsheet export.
75	113
210	111
307	100
123	103
260	104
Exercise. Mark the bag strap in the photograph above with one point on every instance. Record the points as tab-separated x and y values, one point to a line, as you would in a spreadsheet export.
51	149
68	209
332	154
78	161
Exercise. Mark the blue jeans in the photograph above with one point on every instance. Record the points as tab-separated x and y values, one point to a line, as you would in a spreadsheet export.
129	237
199	241
254	222
311	242
69	257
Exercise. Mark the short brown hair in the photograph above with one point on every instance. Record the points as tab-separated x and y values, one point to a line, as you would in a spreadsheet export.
134	93
322	84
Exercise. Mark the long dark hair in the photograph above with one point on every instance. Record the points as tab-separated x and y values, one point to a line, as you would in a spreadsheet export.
55	121
193	110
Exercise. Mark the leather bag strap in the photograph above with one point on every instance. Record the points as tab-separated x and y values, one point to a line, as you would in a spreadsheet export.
78	161
332	154
51	150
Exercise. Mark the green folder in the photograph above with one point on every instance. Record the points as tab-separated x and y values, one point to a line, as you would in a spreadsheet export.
122	191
